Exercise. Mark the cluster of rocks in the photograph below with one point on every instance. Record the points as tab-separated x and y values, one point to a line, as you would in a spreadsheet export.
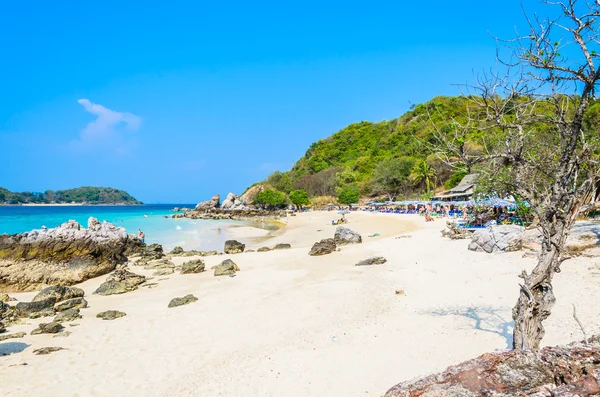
65	255
282	246
572	370
342	236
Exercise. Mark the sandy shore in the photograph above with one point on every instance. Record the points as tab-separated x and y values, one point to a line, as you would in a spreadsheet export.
293	325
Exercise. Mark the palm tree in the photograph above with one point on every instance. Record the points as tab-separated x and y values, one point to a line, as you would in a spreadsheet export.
423	172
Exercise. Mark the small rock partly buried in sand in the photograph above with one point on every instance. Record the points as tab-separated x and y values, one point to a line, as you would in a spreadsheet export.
400	292
376	260
47	350
67	316
63	334
75	303
195	266
110	315
283	246
234	247
163	272
264	249
226	268
47	328
189	298
12	336
323	247
2	329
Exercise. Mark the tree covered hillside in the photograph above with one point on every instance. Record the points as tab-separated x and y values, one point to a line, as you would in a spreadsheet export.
85	194
389	158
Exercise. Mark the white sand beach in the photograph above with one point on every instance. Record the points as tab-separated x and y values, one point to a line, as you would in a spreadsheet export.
289	324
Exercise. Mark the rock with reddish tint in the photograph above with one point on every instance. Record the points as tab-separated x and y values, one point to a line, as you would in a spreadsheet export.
572	370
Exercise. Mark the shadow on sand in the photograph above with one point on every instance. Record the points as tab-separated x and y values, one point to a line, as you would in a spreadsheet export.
12	347
486	319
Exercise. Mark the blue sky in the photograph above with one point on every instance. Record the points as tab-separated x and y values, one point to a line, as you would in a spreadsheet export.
176	101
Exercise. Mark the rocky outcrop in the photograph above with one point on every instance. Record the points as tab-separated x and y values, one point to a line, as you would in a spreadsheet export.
233	202
6	298
75	303
234	214
572	370
344	236
189	298
59	293
210	204
47	328
234	247
67	315
226	268
150	253
110	315
323	247
65	255
498	238
177	251
119	282
377	260
195	266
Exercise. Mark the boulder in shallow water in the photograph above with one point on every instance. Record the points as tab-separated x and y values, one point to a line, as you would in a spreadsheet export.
226	268
60	293
344	235
210	204
47	328
234	247
323	247
120	282
376	260
498	238
110	315
44	308
189	298
194	266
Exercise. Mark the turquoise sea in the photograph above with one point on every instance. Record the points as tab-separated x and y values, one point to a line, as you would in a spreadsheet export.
187	233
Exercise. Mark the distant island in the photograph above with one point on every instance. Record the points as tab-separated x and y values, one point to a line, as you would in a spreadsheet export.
81	195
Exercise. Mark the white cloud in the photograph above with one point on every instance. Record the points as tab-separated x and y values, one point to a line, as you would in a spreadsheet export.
106	129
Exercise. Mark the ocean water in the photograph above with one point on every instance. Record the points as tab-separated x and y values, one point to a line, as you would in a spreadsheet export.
187	233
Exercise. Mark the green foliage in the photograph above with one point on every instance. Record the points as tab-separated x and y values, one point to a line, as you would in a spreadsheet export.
391	176
455	179
423	173
281	181
86	194
299	198
271	199
349	194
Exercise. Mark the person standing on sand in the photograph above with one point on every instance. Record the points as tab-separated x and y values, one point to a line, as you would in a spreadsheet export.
141	235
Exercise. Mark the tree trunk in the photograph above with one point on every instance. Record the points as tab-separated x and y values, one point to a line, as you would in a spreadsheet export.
537	298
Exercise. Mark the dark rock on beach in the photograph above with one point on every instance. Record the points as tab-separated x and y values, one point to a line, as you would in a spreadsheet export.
377	260
323	247
44	308
67	315
16	335
65	255
226	268
177	251
344	236
150	253
264	249
182	301
282	246
120	282
59	293
75	303
47	350
572	370
234	247
195	266
47	328
110	315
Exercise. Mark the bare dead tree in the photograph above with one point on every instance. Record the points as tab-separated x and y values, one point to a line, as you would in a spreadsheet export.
525	131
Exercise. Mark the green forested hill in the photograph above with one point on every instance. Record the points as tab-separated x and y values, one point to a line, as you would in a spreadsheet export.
362	154
85	194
